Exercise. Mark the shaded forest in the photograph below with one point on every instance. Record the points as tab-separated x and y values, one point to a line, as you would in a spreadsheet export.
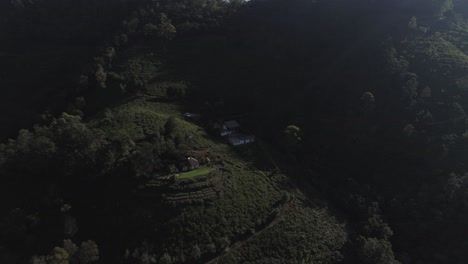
357	108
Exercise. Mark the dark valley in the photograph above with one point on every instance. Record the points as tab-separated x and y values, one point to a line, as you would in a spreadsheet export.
231	131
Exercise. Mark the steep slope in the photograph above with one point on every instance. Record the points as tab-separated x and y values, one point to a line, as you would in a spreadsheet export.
359	104
250	203
137	208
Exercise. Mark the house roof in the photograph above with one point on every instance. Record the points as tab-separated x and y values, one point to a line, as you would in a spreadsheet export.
189	115
193	161
238	137
231	124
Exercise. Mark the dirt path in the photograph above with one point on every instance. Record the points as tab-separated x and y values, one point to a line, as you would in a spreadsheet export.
283	211
237	245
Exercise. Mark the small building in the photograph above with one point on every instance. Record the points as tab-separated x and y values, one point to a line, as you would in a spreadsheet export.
191	116
193	163
240	139
229	128
189	164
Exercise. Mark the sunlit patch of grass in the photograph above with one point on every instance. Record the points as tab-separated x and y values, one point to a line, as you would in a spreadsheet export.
194	173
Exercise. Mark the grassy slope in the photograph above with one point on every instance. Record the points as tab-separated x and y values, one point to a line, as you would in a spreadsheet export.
301	233
194	173
255	215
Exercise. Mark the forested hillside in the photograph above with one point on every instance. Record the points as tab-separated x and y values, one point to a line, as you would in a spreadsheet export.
112	113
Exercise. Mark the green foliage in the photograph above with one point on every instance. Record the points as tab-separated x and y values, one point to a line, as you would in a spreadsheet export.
189	15
376	227
57	256
109	53
165	29
139	71
376	251
442	6
368	98
165	259
457	111
413	23
196	253
309	235
101	76
38	260
293	134
322	56
70	247
435	55
88	253
194	173
410	86
150	30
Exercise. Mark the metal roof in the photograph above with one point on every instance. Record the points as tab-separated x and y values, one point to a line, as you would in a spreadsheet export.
231	124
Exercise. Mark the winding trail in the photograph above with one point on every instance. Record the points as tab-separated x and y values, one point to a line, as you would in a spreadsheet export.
237	245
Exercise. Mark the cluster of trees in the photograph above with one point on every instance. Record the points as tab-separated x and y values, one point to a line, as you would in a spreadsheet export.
65	159
45	45
380	100
86	253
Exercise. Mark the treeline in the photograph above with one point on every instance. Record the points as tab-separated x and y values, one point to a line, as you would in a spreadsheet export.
45	202
48	46
370	96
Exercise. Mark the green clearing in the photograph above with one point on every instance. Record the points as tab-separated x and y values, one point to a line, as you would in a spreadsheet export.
194	173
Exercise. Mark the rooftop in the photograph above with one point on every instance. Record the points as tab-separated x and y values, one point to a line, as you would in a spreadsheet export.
231	124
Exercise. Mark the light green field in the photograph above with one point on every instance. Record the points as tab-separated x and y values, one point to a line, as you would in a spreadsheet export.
194	173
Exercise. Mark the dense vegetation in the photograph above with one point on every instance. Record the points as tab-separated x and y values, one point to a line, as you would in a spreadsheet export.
358	108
